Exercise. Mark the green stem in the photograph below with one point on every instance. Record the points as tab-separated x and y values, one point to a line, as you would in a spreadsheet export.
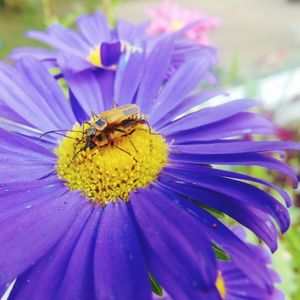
48	11
107	8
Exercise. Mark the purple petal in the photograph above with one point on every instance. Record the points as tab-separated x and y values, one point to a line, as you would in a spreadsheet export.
15	145
9	114
251	159
225	173
240	124
80	264
55	42
106	80
118	257
13	94
237	190
257	221
188	272
128	76
43	278
239	252
68	36
46	90
184	81
3	289
26	238
78	111
184	106
94	28
72	63
85	87
234	147
208	115
13	203
110	53
129	32
124	30
38	53
34	95
151	82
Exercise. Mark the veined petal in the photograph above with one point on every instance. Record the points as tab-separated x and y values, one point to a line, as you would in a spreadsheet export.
118	258
66	35
234	146
25	239
85	87
80	264
13	202
46	89
241	124
242	255
38	53
184	81
94	28
225	173
208	115
164	227
159	59
43	278
38	99
126	85
237	190
53	41
259	222
184	106
246	159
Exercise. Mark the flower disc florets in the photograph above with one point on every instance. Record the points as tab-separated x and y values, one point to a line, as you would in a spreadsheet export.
111	172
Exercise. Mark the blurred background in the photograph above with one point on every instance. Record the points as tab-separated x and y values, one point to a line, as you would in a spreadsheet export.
260	36
259	47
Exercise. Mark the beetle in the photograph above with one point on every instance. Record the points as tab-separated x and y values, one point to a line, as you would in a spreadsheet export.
110	126
114	124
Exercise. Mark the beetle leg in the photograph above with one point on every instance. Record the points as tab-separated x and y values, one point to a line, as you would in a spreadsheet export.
128	135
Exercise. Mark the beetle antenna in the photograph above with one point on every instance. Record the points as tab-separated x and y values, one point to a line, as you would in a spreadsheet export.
128	135
75	155
56	131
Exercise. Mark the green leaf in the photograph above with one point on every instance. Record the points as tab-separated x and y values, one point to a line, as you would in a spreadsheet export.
216	213
156	288
220	254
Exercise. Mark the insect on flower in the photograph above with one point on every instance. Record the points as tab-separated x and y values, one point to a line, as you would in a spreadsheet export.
110	126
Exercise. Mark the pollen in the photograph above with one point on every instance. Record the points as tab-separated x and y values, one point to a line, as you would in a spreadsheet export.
111	172
220	284
94	57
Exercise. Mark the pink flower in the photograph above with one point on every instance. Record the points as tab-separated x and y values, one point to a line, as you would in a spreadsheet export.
171	17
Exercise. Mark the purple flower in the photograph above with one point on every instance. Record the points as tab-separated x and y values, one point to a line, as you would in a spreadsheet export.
86	222
235	284
94	45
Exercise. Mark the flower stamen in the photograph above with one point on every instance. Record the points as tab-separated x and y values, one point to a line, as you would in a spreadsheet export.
220	284
111	172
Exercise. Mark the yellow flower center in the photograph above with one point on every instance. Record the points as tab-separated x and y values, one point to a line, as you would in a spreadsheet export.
220	284
112	171
176	25
94	57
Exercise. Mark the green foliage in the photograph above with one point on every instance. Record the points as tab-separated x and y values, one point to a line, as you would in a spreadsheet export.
220	254
287	259
156	288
